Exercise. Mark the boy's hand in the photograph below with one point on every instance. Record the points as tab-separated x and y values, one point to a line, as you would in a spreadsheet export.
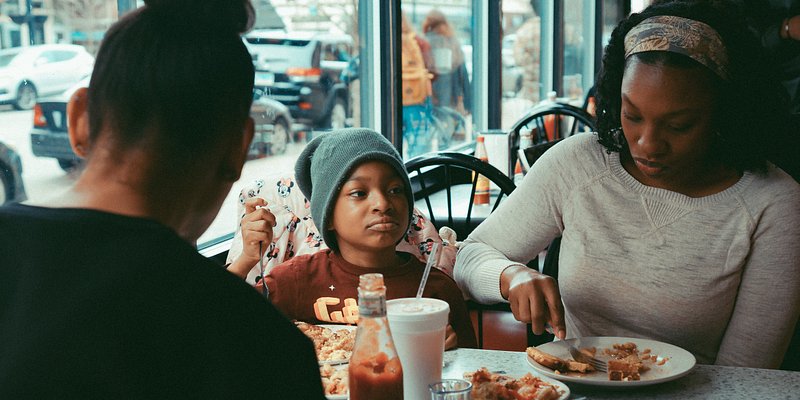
257	226
534	299
450	338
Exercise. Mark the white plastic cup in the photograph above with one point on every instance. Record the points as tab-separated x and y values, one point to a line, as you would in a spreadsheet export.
418	328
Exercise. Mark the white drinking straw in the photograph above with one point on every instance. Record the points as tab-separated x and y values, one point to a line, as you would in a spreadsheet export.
428	265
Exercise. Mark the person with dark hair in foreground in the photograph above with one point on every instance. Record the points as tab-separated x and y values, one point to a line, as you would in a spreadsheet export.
102	293
675	226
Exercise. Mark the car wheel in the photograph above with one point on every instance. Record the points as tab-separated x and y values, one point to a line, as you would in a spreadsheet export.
280	137
337	119
69	165
26	97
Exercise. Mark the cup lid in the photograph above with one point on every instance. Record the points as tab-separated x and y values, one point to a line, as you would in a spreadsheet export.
413	309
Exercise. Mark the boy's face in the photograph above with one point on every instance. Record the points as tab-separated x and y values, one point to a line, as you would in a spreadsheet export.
371	211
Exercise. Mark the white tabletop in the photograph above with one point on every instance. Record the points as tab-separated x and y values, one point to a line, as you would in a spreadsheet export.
704	382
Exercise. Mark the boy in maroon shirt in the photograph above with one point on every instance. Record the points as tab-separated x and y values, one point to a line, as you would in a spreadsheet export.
361	199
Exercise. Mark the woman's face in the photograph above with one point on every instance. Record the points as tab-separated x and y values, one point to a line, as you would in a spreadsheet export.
667	117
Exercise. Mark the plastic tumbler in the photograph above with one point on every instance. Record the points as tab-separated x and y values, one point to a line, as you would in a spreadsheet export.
451	389
418	329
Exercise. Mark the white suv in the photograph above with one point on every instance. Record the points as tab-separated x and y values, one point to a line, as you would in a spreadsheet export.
303	71
29	72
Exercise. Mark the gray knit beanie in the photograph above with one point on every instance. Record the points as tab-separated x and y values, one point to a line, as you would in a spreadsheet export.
327	162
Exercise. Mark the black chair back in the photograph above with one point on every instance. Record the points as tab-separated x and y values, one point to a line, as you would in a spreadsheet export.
536	122
444	185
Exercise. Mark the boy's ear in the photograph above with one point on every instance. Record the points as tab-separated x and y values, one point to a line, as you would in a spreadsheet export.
78	122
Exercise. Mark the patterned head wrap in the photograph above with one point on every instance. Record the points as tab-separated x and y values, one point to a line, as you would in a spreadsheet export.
691	38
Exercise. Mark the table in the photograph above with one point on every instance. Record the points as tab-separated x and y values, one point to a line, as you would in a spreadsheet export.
704	382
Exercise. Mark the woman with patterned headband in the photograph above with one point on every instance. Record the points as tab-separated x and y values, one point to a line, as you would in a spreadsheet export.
674	224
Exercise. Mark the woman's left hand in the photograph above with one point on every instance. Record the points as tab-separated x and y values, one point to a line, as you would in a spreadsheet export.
451	339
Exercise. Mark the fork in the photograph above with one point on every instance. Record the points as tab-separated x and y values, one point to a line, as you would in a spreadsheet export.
580	357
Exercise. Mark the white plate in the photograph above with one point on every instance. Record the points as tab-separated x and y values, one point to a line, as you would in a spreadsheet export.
337	328
560	385
680	362
338	396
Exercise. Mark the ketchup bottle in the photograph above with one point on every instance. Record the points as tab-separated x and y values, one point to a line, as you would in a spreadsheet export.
482	188
374	372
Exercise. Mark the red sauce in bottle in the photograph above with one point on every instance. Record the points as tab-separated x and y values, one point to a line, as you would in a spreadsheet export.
374	372
378	378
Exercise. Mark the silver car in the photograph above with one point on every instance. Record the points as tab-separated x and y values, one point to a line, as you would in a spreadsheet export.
11	187
27	73
273	126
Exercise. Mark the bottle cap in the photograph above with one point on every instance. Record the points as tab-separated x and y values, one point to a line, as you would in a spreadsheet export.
371	282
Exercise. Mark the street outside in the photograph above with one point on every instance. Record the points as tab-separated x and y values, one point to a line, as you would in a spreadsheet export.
44	179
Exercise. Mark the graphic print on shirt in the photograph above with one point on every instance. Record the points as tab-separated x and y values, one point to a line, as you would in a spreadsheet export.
285	187
347	315
426	247
313	239
272	252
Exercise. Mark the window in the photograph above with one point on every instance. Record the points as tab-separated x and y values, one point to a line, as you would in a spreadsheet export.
523	48
318	67
306	59
442	33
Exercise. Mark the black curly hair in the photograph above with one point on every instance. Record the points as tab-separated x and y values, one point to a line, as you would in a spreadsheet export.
752	109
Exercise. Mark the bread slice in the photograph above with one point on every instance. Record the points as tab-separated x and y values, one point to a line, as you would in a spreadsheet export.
625	369
558	364
577	366
547	360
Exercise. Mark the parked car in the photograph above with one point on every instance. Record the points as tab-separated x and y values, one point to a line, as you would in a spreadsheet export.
302	70
11	187
27	73
273	124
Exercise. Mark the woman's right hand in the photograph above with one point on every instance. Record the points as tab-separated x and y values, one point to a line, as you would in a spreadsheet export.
257	225
534	299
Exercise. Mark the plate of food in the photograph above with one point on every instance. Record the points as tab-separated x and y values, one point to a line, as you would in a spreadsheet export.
333	343
630	361
334	381
488	385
